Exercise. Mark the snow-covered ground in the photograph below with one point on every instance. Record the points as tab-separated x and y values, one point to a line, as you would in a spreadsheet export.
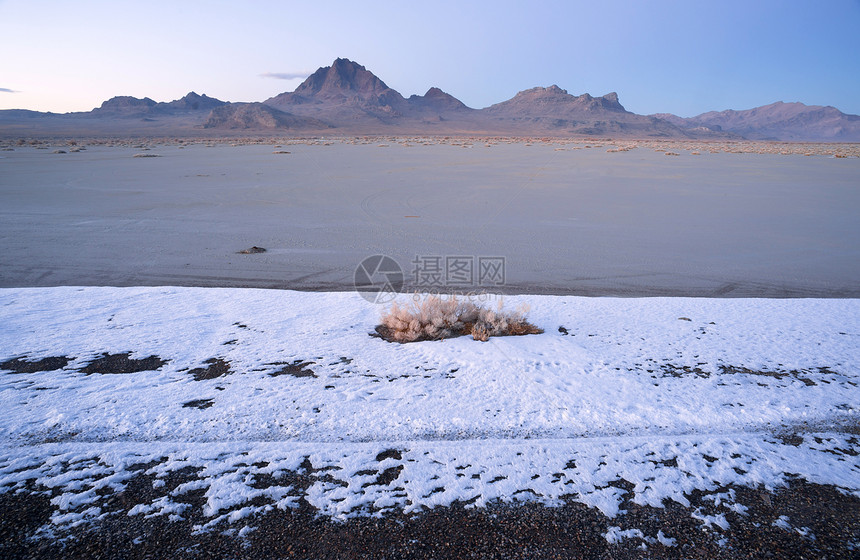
669	394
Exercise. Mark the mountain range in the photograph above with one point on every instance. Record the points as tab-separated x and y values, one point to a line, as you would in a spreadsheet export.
346	98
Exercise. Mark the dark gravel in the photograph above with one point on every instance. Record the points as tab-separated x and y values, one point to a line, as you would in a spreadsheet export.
216	368
122	363
297	369
20	365
524	530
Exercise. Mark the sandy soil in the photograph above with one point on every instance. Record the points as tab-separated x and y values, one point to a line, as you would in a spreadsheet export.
594	218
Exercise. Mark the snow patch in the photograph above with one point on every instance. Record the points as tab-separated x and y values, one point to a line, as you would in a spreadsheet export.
625	402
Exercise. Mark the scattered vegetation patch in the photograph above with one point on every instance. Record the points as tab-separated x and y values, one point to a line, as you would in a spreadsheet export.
775	374
296	369
19	365
121	363
435	318
216	368
672	370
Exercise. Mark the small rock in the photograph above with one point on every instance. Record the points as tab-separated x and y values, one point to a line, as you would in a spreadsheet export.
252	251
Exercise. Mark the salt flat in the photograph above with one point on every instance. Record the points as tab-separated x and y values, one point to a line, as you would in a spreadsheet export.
567	219
671	395
212	408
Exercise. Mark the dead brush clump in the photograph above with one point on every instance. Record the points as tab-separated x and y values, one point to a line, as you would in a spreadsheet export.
435	318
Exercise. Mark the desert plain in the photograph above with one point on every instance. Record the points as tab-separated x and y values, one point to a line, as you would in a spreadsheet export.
187	370
743	219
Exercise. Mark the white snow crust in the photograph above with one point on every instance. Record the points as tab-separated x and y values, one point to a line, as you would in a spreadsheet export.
669	394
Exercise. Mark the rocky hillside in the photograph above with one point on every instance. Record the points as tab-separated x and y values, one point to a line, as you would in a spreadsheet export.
779	121
258	116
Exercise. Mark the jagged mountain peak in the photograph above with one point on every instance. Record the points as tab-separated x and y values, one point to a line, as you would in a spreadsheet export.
437	93
342	76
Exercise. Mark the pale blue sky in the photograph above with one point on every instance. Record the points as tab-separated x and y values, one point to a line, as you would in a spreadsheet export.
683	57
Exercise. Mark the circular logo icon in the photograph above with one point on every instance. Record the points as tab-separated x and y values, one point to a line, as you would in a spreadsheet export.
378	279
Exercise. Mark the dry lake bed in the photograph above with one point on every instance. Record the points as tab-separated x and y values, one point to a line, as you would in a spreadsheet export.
568	218
156	405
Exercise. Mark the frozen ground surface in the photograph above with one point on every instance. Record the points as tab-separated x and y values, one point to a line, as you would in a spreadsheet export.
620	399
567	219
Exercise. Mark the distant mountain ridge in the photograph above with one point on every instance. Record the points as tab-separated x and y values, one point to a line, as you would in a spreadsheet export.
554	108
556	101
128	106
347	98
779	121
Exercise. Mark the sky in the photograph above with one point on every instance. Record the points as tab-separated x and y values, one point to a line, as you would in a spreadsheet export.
682	57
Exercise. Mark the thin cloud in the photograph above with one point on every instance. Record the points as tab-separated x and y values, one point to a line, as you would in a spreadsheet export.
285	75
7	90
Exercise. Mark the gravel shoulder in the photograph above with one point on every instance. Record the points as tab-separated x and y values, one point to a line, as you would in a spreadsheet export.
800	520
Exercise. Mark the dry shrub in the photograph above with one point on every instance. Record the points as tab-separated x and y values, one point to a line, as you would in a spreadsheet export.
435	318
